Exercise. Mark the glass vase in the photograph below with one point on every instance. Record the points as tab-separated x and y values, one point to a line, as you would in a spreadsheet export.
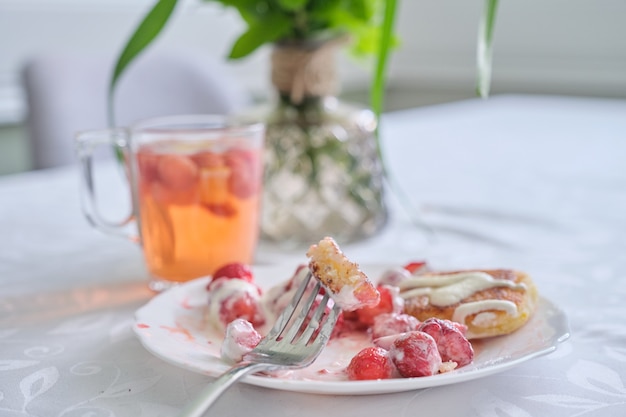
323	175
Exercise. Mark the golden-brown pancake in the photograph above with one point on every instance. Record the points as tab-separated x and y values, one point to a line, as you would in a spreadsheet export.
505	301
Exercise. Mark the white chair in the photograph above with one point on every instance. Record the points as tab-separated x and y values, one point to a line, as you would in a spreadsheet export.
67	93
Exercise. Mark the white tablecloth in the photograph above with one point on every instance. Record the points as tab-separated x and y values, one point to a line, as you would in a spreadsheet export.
534	183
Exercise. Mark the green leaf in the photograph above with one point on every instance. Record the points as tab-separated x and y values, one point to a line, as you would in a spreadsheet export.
292	5
377	91
322	6
146	32
361	9
249	10
266	31
485	48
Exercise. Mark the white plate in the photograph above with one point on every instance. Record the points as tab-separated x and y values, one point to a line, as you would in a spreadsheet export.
173	327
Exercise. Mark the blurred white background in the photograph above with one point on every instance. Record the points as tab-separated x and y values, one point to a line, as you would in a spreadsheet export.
570	47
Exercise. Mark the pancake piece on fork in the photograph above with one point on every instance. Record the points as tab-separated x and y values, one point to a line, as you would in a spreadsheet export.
347	285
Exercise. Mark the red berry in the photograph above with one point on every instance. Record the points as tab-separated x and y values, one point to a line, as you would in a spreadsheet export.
415	354
392	324
177	172
415	266
241	337
147	162
369	364
225	210
164	195
244	333
245	172
233	298
451	343
234	270
367	294
208	159
241	306
389	303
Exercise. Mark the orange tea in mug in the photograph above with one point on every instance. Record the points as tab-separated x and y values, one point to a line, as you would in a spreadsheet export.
198	207
196	188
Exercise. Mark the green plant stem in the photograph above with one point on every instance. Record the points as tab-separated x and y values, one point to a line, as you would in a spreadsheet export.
377	92
150	26
484	51
377	95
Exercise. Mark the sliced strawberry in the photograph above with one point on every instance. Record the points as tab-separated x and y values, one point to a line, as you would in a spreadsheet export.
415	354
351	321
387	304
246	170
393	324
367	294
370	363
177	172
242	305
147	163
234	270
221	210
171	196
415	266
241	337
208	159
451	343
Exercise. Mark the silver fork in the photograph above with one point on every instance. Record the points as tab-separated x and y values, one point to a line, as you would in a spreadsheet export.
295	341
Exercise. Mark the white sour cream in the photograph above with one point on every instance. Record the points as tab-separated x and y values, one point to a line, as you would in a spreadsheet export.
448	289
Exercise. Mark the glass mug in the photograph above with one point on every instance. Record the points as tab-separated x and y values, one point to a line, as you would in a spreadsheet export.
195	184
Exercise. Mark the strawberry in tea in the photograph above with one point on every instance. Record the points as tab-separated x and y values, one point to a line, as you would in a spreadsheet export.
198	206
195	182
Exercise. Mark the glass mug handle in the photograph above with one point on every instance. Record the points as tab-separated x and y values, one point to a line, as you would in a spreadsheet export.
86	143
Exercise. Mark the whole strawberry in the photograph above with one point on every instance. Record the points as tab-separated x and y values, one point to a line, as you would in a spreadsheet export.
234	270
369	364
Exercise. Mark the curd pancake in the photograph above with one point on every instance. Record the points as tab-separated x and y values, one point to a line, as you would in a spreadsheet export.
488	302
347	285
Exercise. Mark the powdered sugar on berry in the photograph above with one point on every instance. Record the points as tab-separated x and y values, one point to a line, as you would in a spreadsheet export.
224	293
240	338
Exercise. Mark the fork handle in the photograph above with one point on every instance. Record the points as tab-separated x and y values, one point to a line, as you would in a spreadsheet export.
203	401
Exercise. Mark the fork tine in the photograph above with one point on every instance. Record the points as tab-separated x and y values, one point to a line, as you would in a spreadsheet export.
285	316
315	321
329	324
294	328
